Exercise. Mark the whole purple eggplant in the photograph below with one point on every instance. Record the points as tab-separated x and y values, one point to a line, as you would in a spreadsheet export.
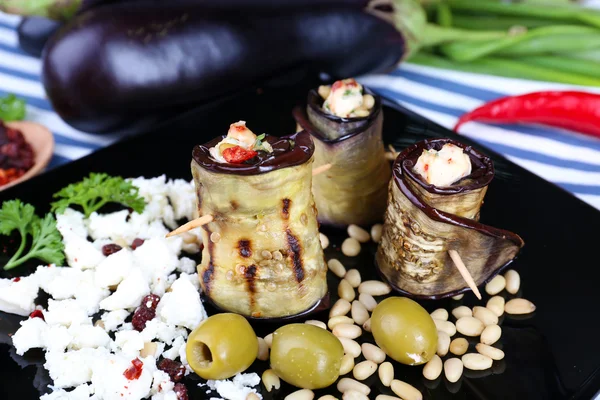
124	69
34	33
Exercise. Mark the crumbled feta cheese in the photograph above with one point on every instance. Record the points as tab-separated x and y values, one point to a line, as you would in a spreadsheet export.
113	319
18	297
238	389
156	257
129	294
187	265
85	336
66	312
157	329
81	253
81	392
70	222
161	382
173	352
181	306
183	198
57	338
113	225
130	342
73	368
110	382
114	268
444	167
31	334
344	98
126	327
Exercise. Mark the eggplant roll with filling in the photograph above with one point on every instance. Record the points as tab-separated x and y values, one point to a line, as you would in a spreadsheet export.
423	221
262	256
354	189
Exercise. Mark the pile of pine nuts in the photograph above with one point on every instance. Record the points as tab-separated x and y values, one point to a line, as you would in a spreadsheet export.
351	246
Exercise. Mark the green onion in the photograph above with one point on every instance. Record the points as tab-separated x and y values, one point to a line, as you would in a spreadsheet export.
565	64
492	22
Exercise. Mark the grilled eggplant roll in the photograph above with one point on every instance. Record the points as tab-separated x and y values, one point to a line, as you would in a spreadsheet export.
346	124
435	198
262	256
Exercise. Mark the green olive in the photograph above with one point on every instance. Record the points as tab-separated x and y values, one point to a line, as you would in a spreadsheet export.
222	346
306	356
404	330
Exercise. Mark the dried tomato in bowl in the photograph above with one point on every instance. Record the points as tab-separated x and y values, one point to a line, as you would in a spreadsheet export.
16	155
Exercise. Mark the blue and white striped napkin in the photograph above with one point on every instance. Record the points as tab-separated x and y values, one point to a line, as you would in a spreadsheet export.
568	159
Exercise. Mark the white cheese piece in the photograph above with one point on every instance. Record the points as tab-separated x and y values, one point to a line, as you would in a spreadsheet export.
81	392
166	333
31	334
182	197
73	368
345	97
113	319
88	336
114	268
81	253
182	305
112	226
71	222
110	382
66	312
156	257
89	294
57	338
128	326
165	395
18	297
443	168
238	389
187	265
129	294
173	352
130	342
57	281
161	383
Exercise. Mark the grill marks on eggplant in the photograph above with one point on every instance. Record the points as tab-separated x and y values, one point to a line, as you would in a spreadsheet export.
296	254
245	248
285	211
209	273
250	277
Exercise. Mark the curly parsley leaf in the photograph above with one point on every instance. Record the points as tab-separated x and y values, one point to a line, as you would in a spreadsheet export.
97	190
46	241
12	108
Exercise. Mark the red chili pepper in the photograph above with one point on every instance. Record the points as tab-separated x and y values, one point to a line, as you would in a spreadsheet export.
135	371
237	154
37	314
576	111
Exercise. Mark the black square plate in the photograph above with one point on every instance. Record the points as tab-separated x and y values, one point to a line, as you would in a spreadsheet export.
553	354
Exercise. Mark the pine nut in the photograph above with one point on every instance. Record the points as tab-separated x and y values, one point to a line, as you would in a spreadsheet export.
367	325
302	394
374	288
440	314
346	384
373	353
340	319
336	267
270	380
443	343
496	285
363	370
462	311
327	397
386	397
324	91
453	369
360	315
433	369
459	346
489	351
252	396
491	334
513	281
315	322
351	347
358	233
148	350
361	112
485	315
346	291
458	296
469	326
350	247
376	232
405	391
324	241
215	237
386	373
353	278
347	364
354	395
496	305
445	326
347	331
368	101
341	307
263	350
519	306
269	340
368	301
476	362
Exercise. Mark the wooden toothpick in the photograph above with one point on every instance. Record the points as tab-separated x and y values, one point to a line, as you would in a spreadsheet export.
320	169
462	268
203	220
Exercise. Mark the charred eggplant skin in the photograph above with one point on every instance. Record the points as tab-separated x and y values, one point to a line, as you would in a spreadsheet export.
34	33
125	68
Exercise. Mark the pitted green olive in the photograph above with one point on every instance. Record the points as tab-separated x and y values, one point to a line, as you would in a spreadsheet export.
222	346
306	356
404	330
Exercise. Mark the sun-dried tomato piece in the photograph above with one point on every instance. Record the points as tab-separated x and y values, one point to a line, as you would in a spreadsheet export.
237	154
137	242
109	249
181	391
135	371
37	314
175	369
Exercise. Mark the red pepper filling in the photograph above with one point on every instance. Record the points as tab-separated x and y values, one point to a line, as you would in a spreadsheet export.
17	279
37	314
237	154
135	371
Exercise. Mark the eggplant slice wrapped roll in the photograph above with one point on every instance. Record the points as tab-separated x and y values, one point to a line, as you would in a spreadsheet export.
354	189
435	198
262	256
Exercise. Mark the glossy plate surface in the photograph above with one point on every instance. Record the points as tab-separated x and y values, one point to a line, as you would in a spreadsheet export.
552	354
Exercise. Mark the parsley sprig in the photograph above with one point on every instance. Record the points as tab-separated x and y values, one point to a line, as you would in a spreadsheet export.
97	190
46	241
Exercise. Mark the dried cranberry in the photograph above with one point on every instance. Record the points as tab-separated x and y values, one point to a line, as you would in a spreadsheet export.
37	314
141	316
150	301
17	279
135	371
137	242
181	391
175	369
109	249
10	149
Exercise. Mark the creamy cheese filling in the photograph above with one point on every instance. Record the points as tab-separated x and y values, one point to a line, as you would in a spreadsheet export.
444	167
239	135
345	99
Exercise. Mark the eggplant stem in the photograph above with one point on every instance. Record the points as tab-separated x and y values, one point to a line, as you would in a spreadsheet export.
462	268
195	223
